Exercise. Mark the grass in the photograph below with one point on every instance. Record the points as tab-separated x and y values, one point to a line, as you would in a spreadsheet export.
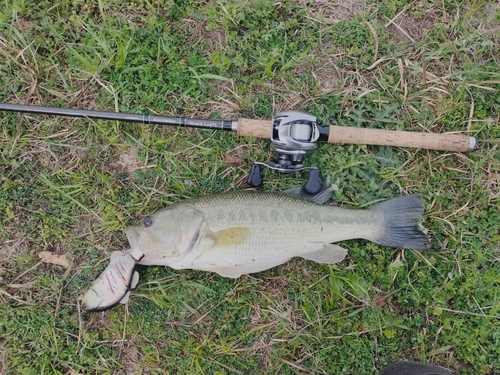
71	186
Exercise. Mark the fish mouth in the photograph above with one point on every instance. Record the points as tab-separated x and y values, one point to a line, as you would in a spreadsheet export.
133	234
178	249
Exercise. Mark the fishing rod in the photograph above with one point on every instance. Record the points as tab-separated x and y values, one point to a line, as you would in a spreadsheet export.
292	135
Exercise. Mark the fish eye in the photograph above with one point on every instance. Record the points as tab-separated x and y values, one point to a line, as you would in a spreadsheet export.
148	221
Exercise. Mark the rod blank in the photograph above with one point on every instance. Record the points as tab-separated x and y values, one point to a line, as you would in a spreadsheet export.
119	116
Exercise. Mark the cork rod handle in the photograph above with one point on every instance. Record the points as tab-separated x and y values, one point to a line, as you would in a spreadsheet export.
254	128
380	137
431	141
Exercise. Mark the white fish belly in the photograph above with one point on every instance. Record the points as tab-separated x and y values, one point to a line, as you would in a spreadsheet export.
263	251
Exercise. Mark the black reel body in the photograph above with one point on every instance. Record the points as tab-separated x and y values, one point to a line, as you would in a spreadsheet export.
293	134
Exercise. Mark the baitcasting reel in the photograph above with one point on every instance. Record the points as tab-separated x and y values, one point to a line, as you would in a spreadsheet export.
293	133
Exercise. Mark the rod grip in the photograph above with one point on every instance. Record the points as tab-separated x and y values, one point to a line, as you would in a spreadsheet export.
380	137
254	128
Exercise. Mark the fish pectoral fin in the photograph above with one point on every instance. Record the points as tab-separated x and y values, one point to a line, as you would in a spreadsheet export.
135	280
232	272
327	254
230	237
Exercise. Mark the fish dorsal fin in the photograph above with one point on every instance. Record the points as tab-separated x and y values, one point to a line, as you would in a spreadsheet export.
327	254
322	197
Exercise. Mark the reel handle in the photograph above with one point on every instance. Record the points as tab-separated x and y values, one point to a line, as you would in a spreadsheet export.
380	137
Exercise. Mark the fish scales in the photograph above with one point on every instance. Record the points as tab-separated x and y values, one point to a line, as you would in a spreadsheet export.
281	227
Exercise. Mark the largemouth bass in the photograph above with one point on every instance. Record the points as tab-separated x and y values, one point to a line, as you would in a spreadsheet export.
246	232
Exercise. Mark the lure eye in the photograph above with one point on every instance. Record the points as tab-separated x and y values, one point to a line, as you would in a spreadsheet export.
148	221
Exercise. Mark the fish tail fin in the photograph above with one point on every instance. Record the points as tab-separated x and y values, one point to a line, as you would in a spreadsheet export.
400	223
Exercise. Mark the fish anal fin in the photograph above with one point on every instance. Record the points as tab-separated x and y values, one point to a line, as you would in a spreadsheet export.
230	237
231	272
327	254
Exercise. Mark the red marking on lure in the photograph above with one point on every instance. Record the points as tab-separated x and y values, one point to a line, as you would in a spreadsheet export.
112	275
109	283
120	272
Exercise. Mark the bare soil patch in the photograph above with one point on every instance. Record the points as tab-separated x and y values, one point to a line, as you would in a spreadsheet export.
406	28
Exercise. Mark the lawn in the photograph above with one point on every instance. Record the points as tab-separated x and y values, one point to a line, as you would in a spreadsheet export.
70	186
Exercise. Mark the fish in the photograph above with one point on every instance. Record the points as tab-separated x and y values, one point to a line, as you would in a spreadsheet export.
115	282
246	232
